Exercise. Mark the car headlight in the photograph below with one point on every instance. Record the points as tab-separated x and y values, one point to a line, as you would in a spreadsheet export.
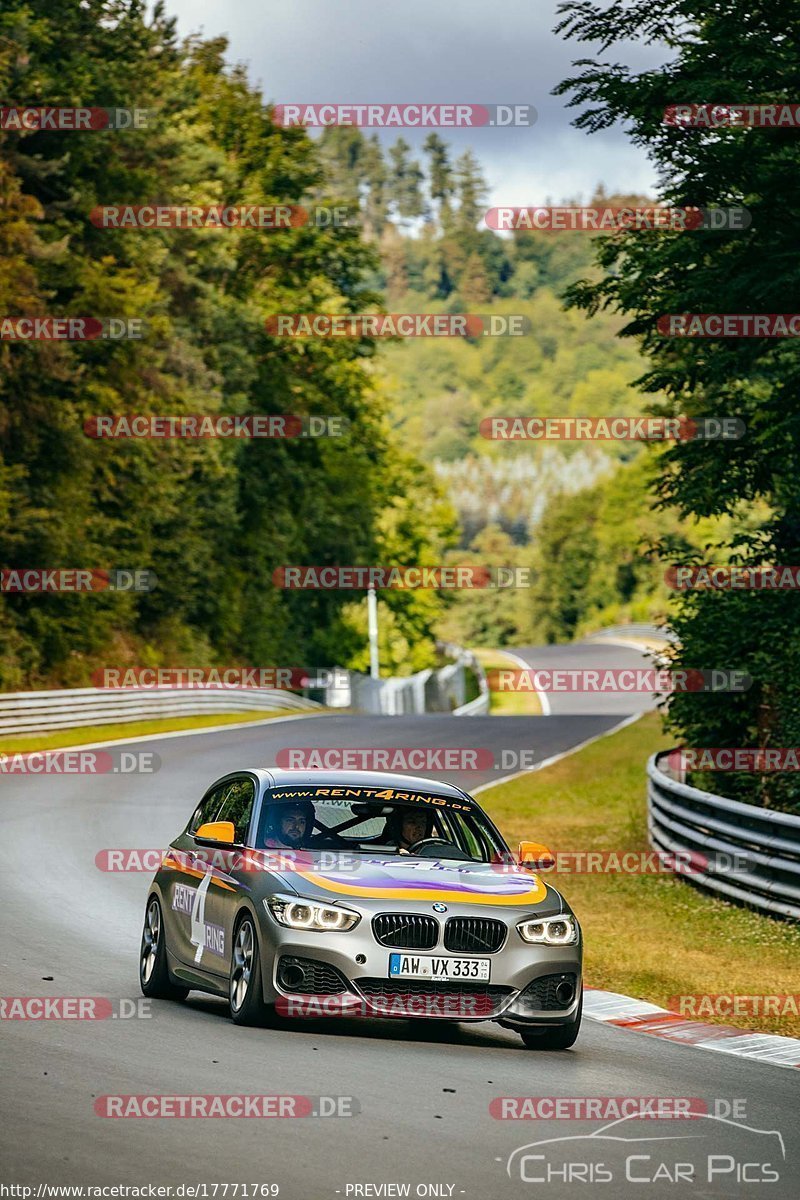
549	931
299	913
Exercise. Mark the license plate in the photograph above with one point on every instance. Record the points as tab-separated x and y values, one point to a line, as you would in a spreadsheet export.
427	966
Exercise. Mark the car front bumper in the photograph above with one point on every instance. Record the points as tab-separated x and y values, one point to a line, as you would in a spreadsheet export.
529	984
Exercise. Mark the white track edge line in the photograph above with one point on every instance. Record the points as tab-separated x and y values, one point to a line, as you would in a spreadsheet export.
543	697
554	758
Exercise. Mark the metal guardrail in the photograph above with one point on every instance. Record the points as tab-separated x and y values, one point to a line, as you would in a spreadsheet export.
740	851
38	712
426	691
640	630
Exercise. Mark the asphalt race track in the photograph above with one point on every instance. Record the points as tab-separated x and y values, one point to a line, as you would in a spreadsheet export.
69	929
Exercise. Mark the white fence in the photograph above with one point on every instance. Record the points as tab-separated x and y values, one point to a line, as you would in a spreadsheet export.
444	690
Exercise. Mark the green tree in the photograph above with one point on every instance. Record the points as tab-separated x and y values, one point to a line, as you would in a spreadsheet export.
750	51
473	286
405	182
566	558
471	190
375	203
213	519
440	177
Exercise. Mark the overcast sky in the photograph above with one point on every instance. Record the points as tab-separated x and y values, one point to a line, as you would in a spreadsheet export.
472	51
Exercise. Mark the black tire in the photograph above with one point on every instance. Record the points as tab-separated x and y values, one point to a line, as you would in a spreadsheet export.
246	988
154	977
559	1037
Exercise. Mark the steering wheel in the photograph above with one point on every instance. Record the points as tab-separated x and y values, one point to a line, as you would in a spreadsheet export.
415	847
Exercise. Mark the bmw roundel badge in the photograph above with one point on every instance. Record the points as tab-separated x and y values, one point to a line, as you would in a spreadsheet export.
439	907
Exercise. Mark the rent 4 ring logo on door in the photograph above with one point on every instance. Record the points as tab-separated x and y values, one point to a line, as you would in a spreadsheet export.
204	935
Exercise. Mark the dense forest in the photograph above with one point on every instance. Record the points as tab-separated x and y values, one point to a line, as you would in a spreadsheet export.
578	514
212	519
746	489
413	481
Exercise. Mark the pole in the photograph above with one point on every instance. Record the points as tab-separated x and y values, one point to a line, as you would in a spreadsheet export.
372	618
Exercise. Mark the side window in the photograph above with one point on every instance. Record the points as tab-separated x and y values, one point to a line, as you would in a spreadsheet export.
208	808
237	806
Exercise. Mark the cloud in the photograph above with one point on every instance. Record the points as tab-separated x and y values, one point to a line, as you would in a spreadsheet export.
421	50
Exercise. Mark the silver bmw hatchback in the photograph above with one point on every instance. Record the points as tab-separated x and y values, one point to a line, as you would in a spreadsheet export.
349	893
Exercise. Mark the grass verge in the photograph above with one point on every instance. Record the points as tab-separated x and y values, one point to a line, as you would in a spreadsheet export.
507	704
649	936
129	729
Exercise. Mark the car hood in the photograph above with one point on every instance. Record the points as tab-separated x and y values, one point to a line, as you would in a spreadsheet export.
418	879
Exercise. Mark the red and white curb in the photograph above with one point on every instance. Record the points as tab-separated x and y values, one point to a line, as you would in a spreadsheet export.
642	1017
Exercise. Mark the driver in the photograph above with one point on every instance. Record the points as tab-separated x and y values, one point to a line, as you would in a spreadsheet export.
407	826
287	825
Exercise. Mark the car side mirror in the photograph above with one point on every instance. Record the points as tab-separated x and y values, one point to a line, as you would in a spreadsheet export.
535	854
216	831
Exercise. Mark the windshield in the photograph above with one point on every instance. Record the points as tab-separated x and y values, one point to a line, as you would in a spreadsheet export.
385	821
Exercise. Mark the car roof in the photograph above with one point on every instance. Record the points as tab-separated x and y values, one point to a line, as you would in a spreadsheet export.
380	779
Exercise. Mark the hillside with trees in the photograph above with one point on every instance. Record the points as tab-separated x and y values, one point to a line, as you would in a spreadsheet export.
212	519
414	481
517	502
749	488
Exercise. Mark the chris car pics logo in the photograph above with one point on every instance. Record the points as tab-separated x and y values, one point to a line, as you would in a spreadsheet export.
709	1152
